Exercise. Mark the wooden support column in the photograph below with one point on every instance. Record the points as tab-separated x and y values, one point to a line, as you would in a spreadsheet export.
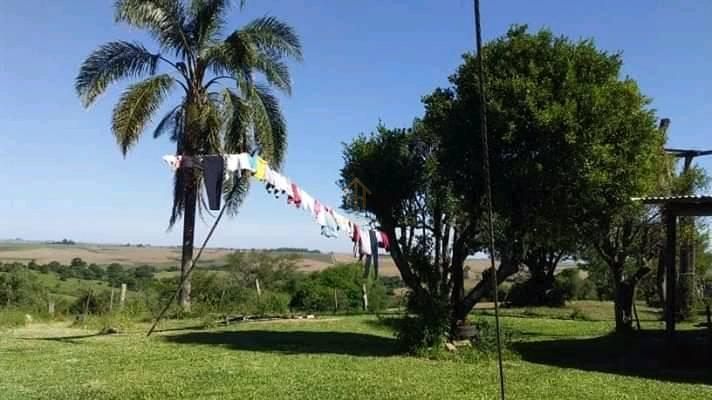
670	280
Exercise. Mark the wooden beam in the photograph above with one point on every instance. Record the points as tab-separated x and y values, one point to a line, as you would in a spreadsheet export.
670	281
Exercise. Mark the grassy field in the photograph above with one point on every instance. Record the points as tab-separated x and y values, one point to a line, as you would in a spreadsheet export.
330	358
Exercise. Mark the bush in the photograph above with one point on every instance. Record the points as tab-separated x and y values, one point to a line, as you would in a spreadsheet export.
12	318
114	322
316	292
425	326
19	288
272	303
573	286
568	285
96	303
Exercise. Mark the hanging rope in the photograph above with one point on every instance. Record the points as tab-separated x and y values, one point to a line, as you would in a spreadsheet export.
193	263
488	185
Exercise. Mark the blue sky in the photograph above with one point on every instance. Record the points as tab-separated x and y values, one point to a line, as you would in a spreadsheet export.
62	174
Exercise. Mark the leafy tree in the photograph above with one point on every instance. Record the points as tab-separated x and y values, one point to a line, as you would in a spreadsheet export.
115	274
571	142
77	262
222	107
316	292
96	272
274	272
21	288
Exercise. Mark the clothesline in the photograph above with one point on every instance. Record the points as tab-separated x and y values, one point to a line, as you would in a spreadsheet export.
218	168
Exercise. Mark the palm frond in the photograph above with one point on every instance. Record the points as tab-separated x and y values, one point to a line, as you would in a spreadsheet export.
164	19
275	71
207	19
236	117
234	198
233	57
167	123
135	108
270	127
273	36
178	199
109	63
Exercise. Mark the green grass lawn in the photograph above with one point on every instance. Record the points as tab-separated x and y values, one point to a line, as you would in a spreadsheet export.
331	358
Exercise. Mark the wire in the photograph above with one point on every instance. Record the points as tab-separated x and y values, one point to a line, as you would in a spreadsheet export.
488	185
192	264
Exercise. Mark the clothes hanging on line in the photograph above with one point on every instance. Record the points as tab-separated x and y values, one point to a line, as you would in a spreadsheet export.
383	241
172	161
213	175
296	197
217	168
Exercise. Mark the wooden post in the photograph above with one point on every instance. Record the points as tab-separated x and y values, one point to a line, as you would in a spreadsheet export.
259	290
365	297
86	307
670	281
51	308
122	298
111	300
336	301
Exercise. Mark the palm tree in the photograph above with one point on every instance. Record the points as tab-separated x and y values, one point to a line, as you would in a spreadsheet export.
223	107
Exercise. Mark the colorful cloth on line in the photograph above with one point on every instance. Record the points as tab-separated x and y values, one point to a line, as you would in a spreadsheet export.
366	241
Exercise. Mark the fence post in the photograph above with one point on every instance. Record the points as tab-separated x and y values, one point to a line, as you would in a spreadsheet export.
111	300
51	308
122	298
336	301
86	307
365	297
259	290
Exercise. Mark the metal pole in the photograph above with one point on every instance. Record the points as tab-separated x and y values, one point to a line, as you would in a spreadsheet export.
488	186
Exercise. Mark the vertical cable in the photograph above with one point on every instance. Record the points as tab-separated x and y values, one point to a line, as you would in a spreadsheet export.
193	263
488	186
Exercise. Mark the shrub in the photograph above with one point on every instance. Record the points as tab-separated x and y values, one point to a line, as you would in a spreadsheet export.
96	303
272	303
12	318
19	288
316	292
425	326
572	286
579	315
114	322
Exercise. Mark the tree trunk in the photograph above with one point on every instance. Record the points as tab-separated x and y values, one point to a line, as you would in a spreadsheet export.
621	326
190	203
483	287
660	277
686	278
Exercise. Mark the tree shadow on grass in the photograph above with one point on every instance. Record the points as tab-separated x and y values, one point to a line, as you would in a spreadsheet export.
66	339
293	342
642	354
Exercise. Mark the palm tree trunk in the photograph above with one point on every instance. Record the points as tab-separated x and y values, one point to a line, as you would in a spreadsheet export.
190	193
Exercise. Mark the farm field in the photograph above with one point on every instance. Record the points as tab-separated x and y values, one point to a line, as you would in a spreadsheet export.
330	358
164	257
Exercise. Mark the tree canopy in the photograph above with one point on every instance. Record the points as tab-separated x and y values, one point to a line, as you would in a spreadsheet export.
571	142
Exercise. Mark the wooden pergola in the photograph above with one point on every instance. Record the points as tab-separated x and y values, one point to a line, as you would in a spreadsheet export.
673	207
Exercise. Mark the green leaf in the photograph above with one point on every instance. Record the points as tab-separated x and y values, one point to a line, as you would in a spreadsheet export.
164	19
273	36
237	120
270	127
109	63
135	108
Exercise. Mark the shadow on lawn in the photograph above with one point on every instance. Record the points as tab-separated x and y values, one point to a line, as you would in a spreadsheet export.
66	339
294	342
642	355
